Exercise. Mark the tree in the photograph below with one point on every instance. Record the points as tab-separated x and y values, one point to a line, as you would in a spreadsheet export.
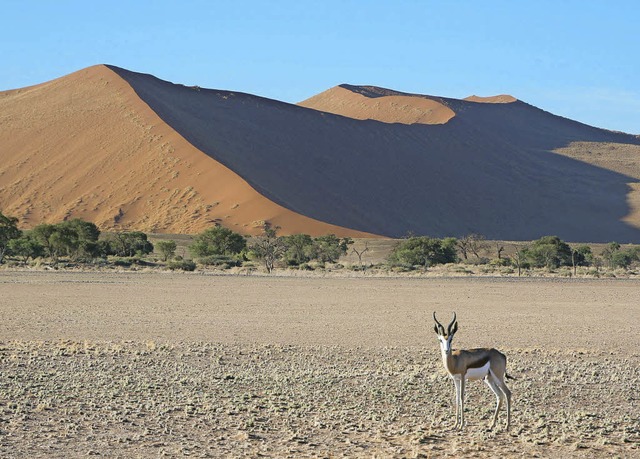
360	253
550	252
8	231
424	251
128	244
329	248
26	247
218	241
617	258
581	256
75	238
78	238
268	247
299	249
519	258
472	243
166	248
608	253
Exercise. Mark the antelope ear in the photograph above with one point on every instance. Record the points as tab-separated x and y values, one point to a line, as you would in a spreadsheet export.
435	329
454	329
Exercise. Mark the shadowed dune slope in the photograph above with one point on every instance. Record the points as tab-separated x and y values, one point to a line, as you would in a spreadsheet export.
499	169
86	146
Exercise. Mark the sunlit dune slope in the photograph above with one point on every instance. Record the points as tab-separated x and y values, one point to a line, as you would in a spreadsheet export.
364	103
491	169
499	99
86	146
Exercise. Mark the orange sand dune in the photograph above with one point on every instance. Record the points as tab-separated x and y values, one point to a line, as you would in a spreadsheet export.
392	108
499	99
86	146
128	150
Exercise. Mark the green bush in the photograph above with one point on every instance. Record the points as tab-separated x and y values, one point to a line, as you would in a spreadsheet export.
299	249
220	261
129	244
8	231
26	247
166	248
505	261
329	248
423	252
548	252
217	241
184	265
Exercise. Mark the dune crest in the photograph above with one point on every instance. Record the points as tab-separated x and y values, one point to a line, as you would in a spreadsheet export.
379	105
499	99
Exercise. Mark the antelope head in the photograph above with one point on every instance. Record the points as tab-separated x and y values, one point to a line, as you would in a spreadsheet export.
445	337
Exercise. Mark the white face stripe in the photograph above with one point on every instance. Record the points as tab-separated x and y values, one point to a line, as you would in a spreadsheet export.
445	343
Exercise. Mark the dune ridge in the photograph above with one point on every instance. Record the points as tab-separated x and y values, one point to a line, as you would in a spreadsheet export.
389	107
499	99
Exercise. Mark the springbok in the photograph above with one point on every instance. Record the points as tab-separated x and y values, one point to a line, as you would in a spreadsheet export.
487	364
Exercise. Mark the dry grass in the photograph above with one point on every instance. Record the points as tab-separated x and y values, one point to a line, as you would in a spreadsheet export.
148	365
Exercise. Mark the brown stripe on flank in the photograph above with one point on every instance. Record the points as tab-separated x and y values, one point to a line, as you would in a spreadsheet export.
479	363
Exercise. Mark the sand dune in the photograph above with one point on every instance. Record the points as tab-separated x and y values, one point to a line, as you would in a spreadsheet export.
86	146
490	169
128	150
389	108
499	99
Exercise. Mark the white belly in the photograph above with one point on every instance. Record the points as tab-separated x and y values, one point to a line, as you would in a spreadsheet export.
478	373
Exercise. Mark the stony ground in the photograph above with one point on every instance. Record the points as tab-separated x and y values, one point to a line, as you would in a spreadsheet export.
115	365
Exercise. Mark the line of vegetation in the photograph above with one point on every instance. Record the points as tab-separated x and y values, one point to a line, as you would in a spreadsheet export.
75	242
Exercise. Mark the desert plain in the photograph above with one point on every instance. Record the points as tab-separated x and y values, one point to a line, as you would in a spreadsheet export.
137	364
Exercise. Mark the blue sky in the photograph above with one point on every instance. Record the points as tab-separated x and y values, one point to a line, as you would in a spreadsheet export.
578	59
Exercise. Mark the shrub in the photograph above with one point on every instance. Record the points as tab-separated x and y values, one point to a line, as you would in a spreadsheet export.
217	241
184	265
329	248
8	231
299	249
505	261
423	251
76	239
268	247
617	258
548	251
128	244
26	247
220	261
166	248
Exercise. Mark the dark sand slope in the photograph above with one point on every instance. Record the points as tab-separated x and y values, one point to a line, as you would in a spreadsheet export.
489	169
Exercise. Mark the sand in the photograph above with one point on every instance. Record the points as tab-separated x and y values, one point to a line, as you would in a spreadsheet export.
396	108
499	99
129	151
151	364
85	146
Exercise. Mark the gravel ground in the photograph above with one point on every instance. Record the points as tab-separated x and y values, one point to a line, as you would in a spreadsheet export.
152	365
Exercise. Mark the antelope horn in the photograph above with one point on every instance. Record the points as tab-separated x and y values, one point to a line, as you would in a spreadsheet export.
453	321
439	324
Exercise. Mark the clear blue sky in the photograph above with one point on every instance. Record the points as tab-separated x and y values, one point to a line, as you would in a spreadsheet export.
579	59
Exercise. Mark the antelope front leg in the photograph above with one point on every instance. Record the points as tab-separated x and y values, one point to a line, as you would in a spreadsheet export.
456	393
462	402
